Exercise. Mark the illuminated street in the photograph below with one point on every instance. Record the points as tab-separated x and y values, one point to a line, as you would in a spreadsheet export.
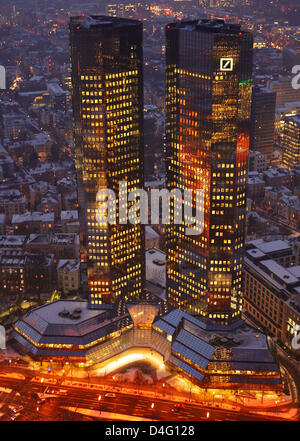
19	386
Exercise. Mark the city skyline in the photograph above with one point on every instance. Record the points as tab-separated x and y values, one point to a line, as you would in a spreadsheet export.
149	212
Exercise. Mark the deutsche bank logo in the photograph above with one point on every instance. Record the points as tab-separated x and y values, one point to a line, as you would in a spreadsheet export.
2	337
226	64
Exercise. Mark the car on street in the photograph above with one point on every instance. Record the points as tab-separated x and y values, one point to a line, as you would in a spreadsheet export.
17	409
110	395
15	416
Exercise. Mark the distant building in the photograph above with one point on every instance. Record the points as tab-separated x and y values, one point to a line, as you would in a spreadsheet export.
49	172
263	121
34	222
68	275
13	242
152	238
285	93
59	98
291	141
272	195
14	120
39	273
12	202
12	264
277	177
69	221
156	272
288	207
255	187
257	161
62	245
280	251
291	57
65	245
272	295
2	224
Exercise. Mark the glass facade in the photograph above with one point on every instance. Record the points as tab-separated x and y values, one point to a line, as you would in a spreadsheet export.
107	76
291	141
208	106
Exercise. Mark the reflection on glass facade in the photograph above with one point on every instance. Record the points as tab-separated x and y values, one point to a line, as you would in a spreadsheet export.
106	55
208	104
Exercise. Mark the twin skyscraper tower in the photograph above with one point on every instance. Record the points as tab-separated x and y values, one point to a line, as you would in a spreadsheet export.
208	103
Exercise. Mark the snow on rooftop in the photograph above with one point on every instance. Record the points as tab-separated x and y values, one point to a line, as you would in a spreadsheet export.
273	246
256	253
156	267
70	265
279	271
69	215
150	233
294	270
50	312
12	239
34	216
156	183
55	89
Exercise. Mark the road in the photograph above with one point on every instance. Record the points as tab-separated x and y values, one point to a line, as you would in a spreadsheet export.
24	389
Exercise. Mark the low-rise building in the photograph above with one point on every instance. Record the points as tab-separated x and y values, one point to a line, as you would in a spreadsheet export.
152	238
156	272
33	222
271	296
212	356
288	207
68	275
62	245
257	161
272	194
2	224
276	177
12	202
65	246
12	265
12	242
69	221
255	186
281	251
39	273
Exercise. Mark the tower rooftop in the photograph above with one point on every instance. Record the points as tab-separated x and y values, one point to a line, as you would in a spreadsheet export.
216	26
99	21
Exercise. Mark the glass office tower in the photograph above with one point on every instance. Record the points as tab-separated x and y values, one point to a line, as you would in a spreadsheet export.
107	77
291	141
208	106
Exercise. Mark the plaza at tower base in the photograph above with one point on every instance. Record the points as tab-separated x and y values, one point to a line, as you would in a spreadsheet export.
210	355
